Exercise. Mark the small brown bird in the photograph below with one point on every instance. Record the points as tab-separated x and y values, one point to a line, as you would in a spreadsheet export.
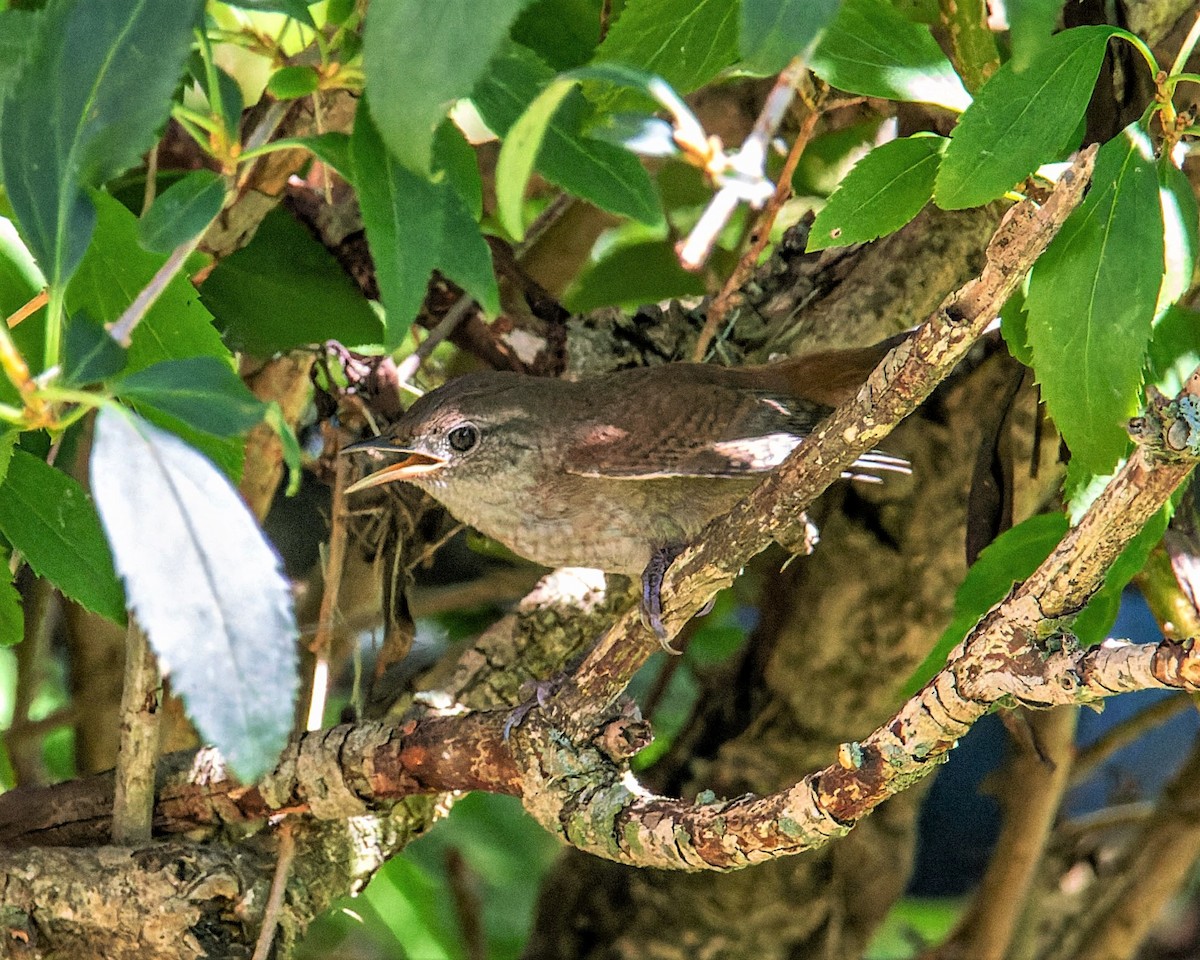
620	472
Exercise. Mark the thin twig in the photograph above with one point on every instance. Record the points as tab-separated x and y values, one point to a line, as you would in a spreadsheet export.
408	367
137	755
722	303
1125	733
283	869
750	161
123	329
334	563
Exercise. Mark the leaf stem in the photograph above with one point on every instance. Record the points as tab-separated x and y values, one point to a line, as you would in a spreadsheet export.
1186	48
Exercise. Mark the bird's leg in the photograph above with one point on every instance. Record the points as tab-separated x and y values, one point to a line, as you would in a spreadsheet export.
661	559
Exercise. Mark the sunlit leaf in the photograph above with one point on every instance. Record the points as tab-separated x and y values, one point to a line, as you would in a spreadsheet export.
1091	302
884	190
871	49
204	585
1021	120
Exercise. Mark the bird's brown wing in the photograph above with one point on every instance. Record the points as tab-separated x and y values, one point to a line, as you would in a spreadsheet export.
719	432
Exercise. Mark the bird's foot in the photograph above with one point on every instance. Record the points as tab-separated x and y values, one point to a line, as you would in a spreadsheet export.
537	694
661	559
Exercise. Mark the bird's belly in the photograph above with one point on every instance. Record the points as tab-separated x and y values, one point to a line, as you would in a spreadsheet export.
614	525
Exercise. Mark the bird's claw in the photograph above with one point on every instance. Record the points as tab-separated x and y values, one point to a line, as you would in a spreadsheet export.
652	581
538	693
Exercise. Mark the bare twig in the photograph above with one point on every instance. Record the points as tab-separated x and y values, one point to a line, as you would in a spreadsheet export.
746	167
283	868
722	303
1032	792
137	756
1125	733
335	561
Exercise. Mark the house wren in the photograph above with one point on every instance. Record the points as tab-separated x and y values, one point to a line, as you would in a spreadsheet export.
619	472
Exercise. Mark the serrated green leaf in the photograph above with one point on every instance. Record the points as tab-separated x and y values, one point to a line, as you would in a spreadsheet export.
204	584
202	392
182	211
293	82
1091	302
634	274
8	443
115	270
884	190
296	9
686	42
90	354
1014	328
12	614
869	48
1181	226
419	58
97	82
413	226
774	31
283	290
1008	559
47	516
1021	120
1031	24
605	175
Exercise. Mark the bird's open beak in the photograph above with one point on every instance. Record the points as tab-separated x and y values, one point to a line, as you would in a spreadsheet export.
414	464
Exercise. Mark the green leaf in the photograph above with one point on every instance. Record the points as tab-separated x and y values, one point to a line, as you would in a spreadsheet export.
115	270
202	392
204	584
47	516
413	226
291	83
605	175
871	49
410	903
564	33
775	31
183	211
17	29
332	148
1031	24
1174	349
293	455
1021	120
519	152
1014	328
90	354
283	290
296	9
419	58
686	42
634	274
12	614
1181	225
1008	559
1091	302
886	189
1094	622
98	81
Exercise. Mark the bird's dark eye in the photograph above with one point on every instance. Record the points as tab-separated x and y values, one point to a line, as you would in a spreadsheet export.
464	438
